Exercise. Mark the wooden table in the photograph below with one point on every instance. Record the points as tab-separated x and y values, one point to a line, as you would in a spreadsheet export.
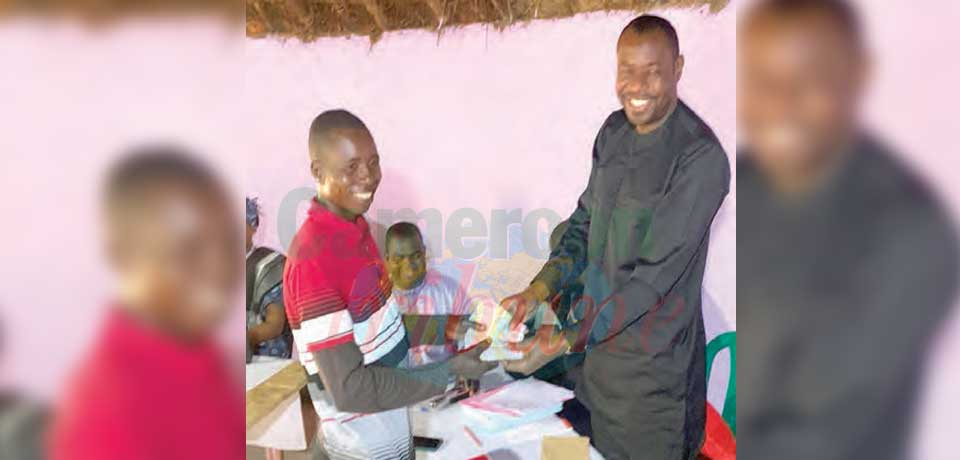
279	412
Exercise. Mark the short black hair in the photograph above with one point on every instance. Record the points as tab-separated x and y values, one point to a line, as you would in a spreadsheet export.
148	166
648	22
841	12
403	230
327	123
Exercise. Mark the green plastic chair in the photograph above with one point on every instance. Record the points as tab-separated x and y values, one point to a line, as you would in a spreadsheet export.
726	340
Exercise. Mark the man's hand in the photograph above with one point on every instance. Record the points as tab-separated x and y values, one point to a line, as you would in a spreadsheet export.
538	350
457	327
523	305
468	364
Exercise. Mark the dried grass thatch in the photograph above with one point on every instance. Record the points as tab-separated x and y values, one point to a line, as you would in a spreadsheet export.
310	19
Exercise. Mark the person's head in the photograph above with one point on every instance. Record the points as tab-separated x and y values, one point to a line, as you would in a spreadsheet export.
344	161
802	68
253	220
171	239
406	258
649	66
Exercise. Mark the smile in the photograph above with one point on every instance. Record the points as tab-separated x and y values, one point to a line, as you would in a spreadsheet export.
639	103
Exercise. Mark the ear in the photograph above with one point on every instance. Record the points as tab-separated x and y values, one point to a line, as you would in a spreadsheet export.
864	73
678	68
315	170
116	251
113	253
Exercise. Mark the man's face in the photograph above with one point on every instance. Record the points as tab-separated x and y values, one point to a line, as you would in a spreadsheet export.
647	77
799	80
179	259
406	262
348	170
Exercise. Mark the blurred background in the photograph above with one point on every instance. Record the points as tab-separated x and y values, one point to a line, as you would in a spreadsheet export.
79	87
81	94
910	108
908	96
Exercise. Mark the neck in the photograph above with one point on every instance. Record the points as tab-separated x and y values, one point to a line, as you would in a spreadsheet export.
417	284
806	178
145	315
336	209
650	127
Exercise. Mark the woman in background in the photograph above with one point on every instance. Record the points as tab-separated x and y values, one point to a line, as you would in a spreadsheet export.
267	330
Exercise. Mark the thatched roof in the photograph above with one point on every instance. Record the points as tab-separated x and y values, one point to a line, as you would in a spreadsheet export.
310	19
111	10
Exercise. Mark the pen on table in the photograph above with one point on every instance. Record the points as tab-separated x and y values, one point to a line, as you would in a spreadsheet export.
472	436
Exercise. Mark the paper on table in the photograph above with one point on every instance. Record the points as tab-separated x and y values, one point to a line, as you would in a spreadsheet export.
518	397
514	404
518	443
565	448
501	335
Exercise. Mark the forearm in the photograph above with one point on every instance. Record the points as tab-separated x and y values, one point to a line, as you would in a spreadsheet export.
263	332
270	328
358	388
569	259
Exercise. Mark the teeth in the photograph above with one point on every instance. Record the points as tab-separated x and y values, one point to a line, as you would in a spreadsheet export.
363	195
637	103
783	136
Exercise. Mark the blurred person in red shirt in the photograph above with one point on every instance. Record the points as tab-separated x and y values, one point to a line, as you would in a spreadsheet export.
155	385
847	262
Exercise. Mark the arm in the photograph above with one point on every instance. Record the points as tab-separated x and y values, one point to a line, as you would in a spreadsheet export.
680	223
358	388
568	260
909	288
271	327
322	326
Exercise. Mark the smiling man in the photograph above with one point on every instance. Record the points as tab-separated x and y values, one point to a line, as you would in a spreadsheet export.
335	287
639	238
848	261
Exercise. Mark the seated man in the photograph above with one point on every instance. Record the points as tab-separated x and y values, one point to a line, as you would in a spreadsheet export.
434	310
267	330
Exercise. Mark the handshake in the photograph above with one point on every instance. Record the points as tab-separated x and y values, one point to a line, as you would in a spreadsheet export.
498	335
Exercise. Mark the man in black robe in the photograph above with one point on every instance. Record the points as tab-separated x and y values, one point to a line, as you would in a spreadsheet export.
846	262
639	238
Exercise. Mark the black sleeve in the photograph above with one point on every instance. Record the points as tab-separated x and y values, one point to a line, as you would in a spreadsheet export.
679	225
355	387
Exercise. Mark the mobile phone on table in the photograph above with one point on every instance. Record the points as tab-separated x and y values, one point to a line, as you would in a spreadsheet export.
425	443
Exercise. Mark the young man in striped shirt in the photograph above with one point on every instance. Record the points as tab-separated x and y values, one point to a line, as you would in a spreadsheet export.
335	287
